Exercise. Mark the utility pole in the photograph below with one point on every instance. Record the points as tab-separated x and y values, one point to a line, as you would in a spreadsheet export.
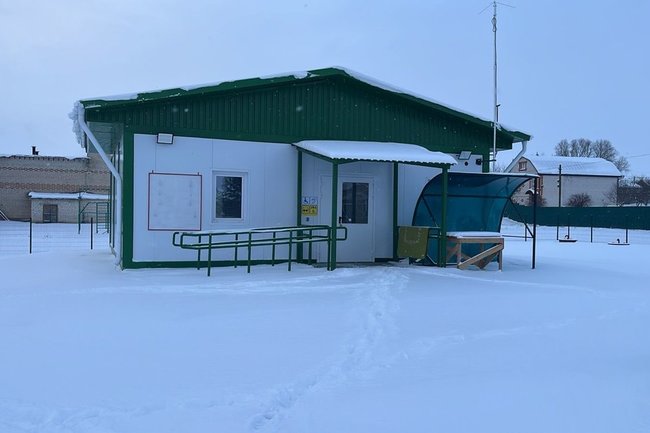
559	186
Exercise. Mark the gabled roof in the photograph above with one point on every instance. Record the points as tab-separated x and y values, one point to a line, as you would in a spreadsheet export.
576	166
205	89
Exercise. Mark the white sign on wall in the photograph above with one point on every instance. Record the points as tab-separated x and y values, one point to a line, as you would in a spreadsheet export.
175	201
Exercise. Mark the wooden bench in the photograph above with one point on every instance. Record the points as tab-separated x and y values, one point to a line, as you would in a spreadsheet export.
456	240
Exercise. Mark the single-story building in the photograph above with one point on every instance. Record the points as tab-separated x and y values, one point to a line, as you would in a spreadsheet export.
52	207
327	147
21	174
569	176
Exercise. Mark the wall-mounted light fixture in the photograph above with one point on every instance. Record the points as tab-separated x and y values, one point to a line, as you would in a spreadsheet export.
164	138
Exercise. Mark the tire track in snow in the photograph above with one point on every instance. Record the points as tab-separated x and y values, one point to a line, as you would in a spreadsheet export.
377	306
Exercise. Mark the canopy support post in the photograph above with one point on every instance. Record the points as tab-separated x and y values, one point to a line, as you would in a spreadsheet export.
535	187
335	184
299	249
395	204
442	253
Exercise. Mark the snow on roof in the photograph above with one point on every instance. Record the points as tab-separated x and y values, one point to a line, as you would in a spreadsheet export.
183	90
375	151
572	165
29	155
394	89
68	196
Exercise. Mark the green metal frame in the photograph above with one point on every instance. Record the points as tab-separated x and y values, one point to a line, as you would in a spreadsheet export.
258	237
101	217
335	175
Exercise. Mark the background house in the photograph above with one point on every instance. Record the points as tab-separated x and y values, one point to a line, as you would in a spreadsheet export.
21	175
595	177
52	207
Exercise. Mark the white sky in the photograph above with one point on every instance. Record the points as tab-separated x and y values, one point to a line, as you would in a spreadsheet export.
566	69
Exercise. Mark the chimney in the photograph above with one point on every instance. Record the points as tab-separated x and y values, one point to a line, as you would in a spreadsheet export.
34	151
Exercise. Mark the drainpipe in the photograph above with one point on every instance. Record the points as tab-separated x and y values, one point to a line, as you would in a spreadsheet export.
524	145
117	217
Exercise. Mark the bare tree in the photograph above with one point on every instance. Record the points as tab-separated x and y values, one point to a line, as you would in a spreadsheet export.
601	148
581	147
579	200
622	164
563	148
613	196
634	191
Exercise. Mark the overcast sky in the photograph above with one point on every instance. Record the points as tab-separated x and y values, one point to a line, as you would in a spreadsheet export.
567	69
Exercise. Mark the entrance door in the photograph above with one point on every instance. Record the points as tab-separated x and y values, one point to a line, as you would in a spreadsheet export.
356	212
50	213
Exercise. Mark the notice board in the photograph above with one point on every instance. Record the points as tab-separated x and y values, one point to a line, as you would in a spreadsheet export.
175	201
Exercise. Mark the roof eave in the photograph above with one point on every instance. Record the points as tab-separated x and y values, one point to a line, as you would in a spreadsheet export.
179	92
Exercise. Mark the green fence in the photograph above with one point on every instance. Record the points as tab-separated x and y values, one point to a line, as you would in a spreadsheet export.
606	217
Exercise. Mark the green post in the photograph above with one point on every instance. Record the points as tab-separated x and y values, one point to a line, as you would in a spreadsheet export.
299	252
79	215
335	184
395	193
442	254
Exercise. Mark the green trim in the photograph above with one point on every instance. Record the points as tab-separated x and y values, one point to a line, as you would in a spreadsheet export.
127	199
335	189
395	211
204	264
442	254
299	248
325	74
217	135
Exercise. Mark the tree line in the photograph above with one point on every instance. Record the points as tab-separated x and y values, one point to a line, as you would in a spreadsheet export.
592	149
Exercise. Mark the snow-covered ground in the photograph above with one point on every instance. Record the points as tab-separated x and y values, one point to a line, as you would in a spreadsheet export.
85	347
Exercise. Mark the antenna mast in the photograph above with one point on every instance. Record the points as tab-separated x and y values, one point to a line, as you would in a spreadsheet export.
496	104
495	120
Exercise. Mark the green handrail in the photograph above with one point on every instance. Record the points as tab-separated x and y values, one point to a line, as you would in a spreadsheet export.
258	237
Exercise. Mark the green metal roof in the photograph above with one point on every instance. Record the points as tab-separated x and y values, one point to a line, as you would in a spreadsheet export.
124	101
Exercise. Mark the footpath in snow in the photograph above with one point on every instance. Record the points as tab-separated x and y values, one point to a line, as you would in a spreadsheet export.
86	347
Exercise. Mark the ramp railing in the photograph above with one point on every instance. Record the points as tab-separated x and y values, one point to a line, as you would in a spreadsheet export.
249	239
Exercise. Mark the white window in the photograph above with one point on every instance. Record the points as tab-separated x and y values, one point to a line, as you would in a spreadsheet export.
523	165
229	196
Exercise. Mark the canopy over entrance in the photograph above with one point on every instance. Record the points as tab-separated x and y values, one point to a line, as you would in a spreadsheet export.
343	152
376	151
475	202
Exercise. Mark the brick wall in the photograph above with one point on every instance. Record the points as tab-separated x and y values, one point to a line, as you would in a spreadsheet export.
20	174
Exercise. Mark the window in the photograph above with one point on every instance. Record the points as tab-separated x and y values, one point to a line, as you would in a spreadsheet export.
229	194
50	213
355	203
523	165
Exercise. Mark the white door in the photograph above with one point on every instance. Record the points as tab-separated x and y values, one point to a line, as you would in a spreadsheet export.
355	212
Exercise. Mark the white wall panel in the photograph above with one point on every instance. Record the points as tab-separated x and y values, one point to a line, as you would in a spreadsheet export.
270	197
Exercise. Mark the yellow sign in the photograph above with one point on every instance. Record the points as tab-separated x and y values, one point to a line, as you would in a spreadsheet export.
309	209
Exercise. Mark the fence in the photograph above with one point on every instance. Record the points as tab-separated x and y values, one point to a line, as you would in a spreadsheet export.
18	237
605	217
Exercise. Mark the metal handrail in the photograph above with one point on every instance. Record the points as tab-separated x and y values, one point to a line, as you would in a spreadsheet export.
247	238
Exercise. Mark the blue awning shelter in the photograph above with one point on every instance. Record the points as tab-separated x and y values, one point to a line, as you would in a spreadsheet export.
475	203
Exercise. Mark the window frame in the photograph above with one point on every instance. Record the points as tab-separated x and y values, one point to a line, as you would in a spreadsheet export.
523	165
354	207
244	195
53	210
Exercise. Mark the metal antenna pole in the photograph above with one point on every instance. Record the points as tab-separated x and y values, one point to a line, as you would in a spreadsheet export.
495	120
496	106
